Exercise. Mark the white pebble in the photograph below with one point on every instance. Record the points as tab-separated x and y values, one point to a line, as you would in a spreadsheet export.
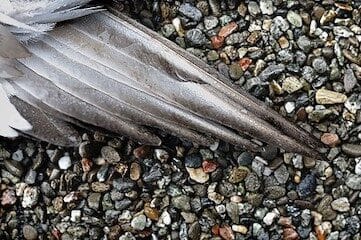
64	162
75	215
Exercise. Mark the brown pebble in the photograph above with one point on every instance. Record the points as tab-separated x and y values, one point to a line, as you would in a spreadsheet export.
330	139
228	29
245	63
86	164
226	232
290	234
215	229
209	166
30	233
285	221
151	213
141	152
217	42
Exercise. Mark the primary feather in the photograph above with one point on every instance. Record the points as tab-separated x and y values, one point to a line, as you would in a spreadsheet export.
24	20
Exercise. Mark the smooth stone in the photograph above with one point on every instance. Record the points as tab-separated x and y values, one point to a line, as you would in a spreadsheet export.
195	37
29	232
341	204
349	80
110	154
14	167
182	202
294	18
352	150
266	7
64	162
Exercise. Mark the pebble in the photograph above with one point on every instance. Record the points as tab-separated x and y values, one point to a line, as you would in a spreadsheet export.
294	18
195	37
341	204
291	84
14	167
324	96
30	197
8	197
110	155
226	233
64	162
240	229
197	174
349	80
266	7
238	174
270	218
271	71
210	22
353	150
139	222
188	10
353	181
330	139
29	232
307	185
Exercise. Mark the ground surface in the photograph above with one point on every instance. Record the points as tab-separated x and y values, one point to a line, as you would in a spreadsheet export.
285	53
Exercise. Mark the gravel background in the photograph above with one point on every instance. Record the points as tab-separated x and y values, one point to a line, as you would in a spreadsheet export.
301	57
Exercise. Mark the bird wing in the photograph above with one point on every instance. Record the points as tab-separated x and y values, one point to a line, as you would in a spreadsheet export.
113	73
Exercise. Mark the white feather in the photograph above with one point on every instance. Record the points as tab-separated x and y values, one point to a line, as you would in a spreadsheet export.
10	118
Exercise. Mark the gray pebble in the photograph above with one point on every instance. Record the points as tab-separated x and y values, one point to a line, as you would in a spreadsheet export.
188	10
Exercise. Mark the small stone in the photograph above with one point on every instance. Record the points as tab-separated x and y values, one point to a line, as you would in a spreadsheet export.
266	7
30	177
353	150
307	186
283	42
139	222
168	30
18	155
86	164
210	22
324	96
151	213
29	232
8	197
64	162
341	205
330	139
328	16
290	234
195	37
100	187
291	84
294	18
165	218
349	80
30	197
161	154
238	174
188	10
141	152
209	166
235	71
94	200
193	160
275	192
75	215
14	167
228	29
320	65
226	233
110	155
252	183
270	218
135	171
194	231
304	43
353	181
245	63
240	229
272	71
253	8
197	174
290	107
182	202
217	42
